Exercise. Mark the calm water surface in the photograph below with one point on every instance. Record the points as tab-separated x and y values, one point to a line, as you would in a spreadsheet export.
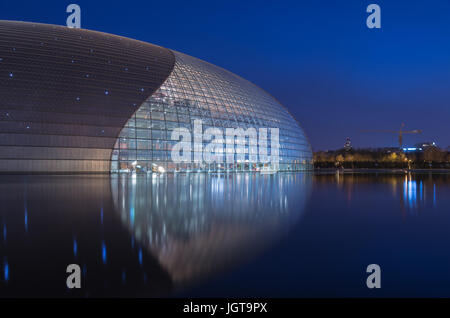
289	234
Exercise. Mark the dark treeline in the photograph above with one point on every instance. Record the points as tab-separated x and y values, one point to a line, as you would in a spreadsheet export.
429	158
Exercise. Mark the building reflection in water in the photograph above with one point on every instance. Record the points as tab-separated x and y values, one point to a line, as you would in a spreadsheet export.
49	222
197	225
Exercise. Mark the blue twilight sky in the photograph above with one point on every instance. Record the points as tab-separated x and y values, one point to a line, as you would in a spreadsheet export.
317	57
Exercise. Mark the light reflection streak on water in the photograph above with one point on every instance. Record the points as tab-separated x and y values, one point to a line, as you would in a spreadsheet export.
421	190
5	271
132	214
75	247
25	208
434	194
410	192
104	259
26	219
140	256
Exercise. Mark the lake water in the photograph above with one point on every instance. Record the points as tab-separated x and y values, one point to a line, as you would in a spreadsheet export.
289	234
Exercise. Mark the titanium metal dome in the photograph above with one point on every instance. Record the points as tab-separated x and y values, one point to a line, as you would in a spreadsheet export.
79	101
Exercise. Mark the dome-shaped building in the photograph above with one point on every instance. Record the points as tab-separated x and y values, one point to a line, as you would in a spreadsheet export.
80	101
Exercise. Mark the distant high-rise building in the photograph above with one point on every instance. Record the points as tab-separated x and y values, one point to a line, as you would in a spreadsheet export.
348	144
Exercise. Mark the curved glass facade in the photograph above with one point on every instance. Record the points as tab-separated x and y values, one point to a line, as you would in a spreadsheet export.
66	93
199	91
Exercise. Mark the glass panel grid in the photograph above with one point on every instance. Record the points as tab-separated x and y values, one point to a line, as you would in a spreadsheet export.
199	90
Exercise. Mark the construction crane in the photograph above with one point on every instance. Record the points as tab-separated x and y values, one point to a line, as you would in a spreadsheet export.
400	133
